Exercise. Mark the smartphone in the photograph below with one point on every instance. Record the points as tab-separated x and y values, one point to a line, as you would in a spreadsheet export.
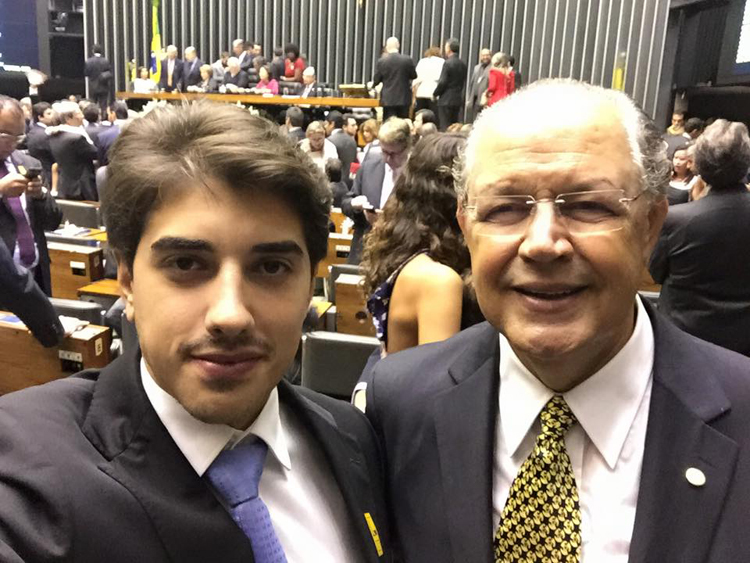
32	172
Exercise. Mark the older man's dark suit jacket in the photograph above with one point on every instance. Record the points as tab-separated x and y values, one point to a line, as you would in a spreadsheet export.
434	408
88	473
368	182
395	71
702	259
44	215
178	75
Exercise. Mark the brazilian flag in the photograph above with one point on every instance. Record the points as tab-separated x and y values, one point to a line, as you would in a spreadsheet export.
156	49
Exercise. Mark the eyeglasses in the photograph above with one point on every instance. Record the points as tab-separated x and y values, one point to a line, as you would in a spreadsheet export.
586	213
15	139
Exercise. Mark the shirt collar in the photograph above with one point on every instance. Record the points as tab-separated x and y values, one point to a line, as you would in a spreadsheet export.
201	442
605	404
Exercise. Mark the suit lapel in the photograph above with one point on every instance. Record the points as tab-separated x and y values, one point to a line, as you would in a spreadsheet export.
141	456
347	464
676	520
465	432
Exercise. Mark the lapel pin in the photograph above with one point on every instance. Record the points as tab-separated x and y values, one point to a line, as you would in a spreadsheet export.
695	477
374	533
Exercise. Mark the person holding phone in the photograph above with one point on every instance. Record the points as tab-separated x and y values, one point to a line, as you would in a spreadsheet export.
375	180
26	208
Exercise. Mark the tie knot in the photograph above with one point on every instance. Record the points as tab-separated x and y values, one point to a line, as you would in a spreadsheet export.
556	417
235	473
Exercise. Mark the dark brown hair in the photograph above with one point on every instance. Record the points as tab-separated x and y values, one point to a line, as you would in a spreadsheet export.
419	215
174	148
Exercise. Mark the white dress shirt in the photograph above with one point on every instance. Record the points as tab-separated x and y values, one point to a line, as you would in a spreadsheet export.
428	75
305	503
16	252
605	448
388	183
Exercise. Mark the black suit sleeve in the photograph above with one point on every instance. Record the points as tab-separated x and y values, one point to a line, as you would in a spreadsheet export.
46	212
378	78
346	201
27	301
659	264
443	81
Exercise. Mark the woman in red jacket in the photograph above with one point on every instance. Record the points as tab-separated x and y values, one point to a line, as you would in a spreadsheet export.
502	79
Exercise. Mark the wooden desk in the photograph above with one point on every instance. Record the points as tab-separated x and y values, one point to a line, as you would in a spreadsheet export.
105	292
25	362
72	267
337	218
352	316
255	99
339	247
321	307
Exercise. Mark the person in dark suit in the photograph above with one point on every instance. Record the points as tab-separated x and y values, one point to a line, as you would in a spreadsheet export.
333	169
37	140
345	144
235	77
75	153
374	181
395	71
578	424
478	84
295	122
23	297
92	121
191	68
172	71
450	88
99	72
700	258
26	208
118	116
191	447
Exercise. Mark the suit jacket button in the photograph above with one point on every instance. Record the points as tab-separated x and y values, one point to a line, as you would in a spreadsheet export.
695	477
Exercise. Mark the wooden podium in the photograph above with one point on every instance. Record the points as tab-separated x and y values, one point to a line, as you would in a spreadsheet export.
24	362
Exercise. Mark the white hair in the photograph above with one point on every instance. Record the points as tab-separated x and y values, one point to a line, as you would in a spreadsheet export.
171	49
238	42
392	44
65	110
233	61
309	71
551	103
189	50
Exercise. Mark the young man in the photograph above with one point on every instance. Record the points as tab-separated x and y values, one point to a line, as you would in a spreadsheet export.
192	448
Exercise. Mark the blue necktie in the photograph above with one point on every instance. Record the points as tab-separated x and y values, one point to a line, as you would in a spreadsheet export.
235	475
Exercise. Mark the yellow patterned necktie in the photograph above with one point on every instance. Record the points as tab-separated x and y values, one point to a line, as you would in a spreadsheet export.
541	520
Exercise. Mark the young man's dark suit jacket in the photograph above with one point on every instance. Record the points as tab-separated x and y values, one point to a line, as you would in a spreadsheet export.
44	215
104	142
435	407
178	75
90	474
368	182
395	71
347	149
702	259
75	158
37	143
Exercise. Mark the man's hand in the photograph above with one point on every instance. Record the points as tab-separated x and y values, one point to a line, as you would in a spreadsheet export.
13	185
360	202
34	188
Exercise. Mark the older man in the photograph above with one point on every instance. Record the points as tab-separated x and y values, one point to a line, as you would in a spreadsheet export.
478	84
235	77
577	425
26	207
375	180
75	153
192	67
395	71
172	71
192	448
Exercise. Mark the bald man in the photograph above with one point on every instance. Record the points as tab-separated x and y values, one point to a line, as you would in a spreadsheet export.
395	71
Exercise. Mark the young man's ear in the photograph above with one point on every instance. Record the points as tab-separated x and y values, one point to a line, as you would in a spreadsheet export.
125	279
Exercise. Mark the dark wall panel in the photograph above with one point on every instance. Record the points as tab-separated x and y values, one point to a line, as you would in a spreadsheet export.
582	39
